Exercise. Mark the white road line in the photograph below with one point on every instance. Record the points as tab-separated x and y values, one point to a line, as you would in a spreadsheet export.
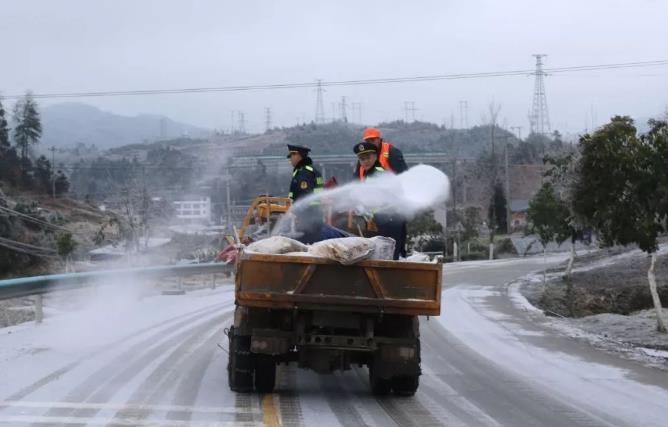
130	406
129	422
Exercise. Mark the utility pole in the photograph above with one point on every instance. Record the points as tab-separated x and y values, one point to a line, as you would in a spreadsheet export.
53	173
508	211
518	130
228	208
539	117
319	103
344	106
267	119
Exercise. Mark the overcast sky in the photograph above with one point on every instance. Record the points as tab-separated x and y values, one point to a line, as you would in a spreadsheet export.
83	45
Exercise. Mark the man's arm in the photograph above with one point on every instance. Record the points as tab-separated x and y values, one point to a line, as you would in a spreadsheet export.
397	162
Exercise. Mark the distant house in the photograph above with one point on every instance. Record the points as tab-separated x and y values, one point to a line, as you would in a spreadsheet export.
192	210
518	214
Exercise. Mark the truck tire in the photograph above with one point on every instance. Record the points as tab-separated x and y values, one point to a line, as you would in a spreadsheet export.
239	363
379	386
265	373
405	385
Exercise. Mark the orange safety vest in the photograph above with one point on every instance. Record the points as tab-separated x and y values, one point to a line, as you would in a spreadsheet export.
363	176
384	156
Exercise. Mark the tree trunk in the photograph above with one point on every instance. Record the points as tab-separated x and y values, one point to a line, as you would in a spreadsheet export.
660	325
544	263
569	268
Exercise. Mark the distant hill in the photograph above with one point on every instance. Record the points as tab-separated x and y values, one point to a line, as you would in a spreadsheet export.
66	124
414	137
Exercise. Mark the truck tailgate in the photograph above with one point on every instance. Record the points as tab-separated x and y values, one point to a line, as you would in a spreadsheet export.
304	282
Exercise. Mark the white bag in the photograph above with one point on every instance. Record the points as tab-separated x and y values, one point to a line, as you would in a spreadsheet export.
276	245
383	248
346	250
417	257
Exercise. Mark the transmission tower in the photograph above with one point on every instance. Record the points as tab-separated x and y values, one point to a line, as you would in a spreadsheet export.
267	119
242	122
409	111
539	117
319	103
463	114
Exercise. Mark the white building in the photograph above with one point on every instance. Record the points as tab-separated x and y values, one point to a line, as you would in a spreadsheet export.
194	210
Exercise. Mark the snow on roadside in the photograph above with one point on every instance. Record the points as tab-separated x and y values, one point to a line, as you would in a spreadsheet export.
622	335
614	259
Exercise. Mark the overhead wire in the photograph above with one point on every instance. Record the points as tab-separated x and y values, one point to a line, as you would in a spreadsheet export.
356	82
27	248
32	219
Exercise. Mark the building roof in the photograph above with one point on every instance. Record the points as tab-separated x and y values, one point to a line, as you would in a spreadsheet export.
518	205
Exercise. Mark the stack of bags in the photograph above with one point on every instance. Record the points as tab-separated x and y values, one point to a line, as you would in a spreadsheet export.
346	250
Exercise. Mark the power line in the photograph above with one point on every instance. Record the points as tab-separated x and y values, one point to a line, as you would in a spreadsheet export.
33	219
361	82
26	248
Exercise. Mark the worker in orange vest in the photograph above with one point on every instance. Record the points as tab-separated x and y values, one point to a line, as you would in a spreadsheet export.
390	157
385	223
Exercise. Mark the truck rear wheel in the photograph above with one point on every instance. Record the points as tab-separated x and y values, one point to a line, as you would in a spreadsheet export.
239	363
405	385
265	373
379	386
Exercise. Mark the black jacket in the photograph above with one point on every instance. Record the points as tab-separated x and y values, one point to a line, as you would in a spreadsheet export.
305	180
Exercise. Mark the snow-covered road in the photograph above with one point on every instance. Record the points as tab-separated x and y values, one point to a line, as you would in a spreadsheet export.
131	361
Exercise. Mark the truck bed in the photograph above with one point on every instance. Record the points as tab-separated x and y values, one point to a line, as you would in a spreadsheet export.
311	283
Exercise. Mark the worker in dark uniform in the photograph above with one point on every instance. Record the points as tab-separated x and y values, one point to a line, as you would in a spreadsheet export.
388	224
306	180
390	157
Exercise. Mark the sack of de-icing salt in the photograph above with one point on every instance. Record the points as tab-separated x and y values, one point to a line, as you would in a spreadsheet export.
417	257
346	250
276	245
383	248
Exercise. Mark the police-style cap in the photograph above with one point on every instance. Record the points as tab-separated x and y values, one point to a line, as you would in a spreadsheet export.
298	149
365	147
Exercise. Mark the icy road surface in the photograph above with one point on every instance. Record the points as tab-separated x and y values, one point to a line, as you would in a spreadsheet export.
154	361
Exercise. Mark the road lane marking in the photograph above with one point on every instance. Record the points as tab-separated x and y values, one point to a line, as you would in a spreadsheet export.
269	414
131	406
129	422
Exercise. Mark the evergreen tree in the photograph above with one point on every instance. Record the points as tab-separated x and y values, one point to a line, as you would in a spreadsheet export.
42	174
4	130
548	216
27	126
9	164
497	210
62	183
